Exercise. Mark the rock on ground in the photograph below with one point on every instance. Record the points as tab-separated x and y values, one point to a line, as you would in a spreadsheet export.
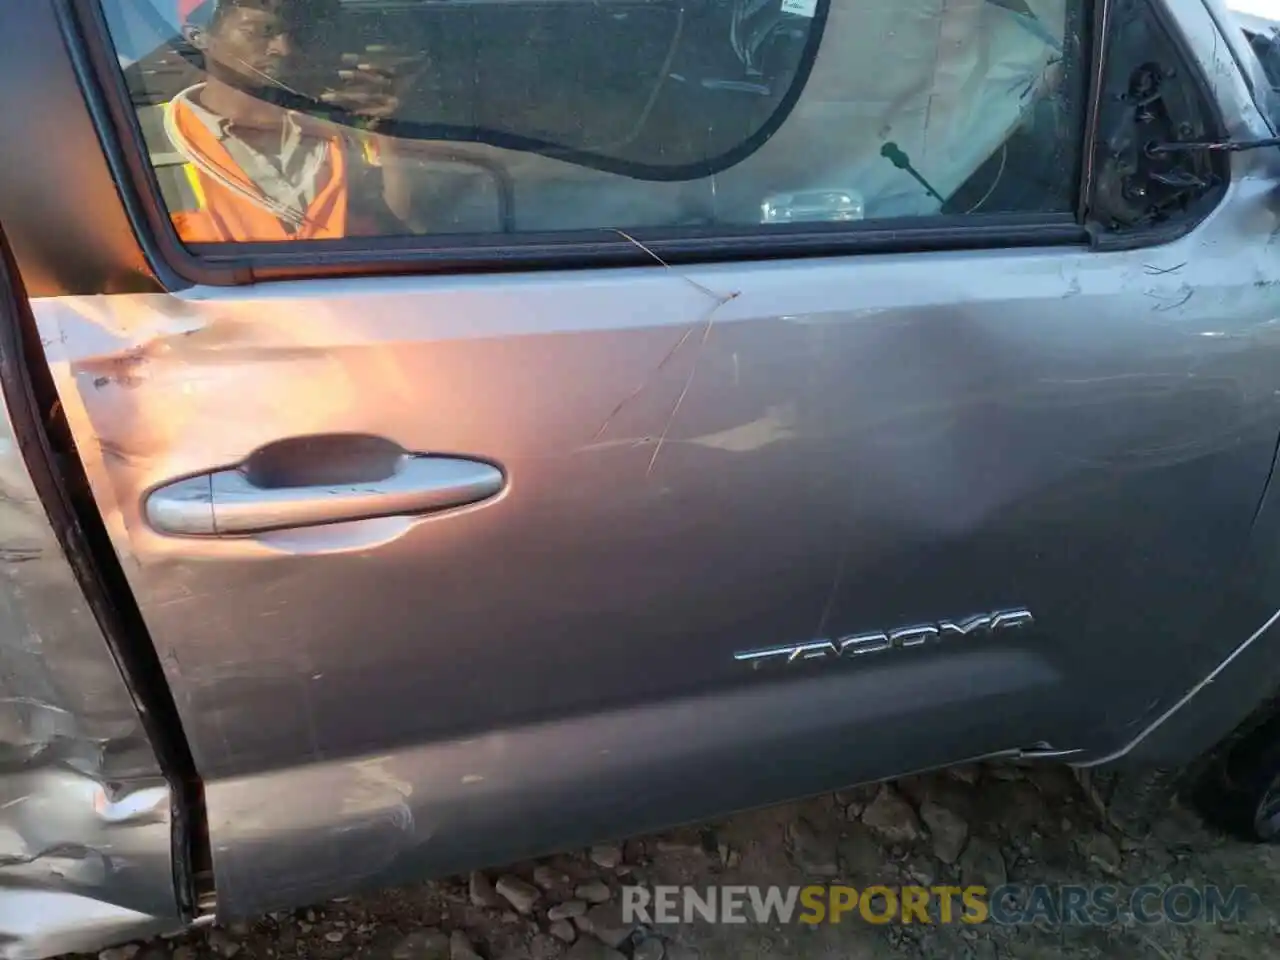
567	910
593	891
481	890
517	892
460	947
947	829
892	817
982	864
563	930
607	855
549	878
814	851
604	922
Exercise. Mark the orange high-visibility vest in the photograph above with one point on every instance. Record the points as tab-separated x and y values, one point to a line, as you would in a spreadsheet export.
225	216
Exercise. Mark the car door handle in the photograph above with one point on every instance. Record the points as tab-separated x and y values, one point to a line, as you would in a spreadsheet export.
229	503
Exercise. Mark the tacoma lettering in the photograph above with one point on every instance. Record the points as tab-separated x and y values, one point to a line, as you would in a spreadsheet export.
878	641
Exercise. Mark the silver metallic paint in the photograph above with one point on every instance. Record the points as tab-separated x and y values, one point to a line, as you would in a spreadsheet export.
866	441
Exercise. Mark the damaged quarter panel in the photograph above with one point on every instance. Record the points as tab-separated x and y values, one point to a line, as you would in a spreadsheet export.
84	810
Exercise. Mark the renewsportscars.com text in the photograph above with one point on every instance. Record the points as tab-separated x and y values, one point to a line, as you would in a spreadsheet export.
1097	905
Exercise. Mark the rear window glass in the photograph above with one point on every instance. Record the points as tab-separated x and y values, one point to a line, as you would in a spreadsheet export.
276	120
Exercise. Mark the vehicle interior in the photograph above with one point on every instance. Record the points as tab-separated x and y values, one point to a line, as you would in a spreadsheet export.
684	112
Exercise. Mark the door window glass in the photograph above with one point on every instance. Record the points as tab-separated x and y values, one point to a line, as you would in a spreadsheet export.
276	120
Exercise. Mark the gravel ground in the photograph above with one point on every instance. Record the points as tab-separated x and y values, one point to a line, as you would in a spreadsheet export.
969	825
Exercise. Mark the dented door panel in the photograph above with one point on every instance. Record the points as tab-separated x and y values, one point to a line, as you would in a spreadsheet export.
85	811
697	462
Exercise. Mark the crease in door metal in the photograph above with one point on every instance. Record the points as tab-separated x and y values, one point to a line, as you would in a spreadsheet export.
85	811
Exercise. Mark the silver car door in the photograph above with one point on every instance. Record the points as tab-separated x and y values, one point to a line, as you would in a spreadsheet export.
447	567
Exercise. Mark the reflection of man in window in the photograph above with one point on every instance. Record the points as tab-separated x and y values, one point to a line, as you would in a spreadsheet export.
259	172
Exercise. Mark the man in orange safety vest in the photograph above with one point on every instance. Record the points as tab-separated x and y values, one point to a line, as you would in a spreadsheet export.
257	171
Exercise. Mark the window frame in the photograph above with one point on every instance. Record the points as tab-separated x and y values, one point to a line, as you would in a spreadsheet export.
178	265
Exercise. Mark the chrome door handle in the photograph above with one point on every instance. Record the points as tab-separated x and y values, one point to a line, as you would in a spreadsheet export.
227	503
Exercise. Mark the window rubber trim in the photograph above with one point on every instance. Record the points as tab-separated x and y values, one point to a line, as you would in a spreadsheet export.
178	266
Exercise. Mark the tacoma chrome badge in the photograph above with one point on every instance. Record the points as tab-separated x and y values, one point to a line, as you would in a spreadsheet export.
860	644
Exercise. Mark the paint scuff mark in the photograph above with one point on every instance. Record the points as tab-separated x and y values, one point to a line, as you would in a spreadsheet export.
1179	298
20	554
836	582
707	323
644	384
778	423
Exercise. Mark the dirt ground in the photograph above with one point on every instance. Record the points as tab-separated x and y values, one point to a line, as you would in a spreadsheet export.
984	825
